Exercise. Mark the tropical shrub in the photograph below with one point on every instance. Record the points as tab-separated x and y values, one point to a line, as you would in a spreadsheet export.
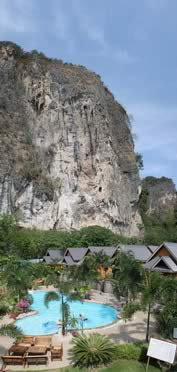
130	351
10	330
3	308
92	351
23	305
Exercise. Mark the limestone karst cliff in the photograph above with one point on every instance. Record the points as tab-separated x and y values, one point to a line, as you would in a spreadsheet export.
160	196
66	151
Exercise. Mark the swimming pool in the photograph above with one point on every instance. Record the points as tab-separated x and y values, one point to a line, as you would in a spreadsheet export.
45	321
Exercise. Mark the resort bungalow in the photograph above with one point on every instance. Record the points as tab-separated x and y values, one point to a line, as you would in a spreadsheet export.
141	252
74	256
53	256
164	259
109	251
161	258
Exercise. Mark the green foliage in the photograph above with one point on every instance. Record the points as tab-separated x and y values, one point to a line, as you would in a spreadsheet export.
139	161
96	235
166	317
72	322
131	351
132	366
3	308
69	290
7	230
51	296
32	243
143	202
158	228
129	309
10	330
16	277
127	275
18	51
92	351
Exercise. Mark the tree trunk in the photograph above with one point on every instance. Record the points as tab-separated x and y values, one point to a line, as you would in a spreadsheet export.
63	316
148	322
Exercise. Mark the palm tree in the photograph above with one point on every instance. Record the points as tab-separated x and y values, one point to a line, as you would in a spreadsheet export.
127	275
166	315
92	351
17	284
151	288
86	272
150	292
10	330
67	291
73	321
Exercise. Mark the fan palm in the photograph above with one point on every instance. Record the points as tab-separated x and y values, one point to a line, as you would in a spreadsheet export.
92	351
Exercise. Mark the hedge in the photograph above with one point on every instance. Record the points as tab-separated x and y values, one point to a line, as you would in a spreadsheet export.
130	351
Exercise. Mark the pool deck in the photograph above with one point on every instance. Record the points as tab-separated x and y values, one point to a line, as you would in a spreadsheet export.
119	332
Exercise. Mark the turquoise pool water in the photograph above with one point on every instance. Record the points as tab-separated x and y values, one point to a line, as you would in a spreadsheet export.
45	322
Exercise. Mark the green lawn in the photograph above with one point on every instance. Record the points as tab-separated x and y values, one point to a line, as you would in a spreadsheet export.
130	366
121	366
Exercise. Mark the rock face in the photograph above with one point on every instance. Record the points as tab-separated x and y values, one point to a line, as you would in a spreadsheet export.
66	154
161	196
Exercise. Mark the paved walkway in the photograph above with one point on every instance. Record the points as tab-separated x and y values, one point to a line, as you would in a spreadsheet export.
119	332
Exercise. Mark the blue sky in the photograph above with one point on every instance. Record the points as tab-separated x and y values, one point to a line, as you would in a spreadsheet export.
131	44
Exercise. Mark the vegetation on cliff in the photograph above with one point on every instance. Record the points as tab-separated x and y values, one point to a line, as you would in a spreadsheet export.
158	208
33	243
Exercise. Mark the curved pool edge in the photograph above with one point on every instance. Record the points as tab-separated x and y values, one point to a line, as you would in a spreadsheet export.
78	330
108	325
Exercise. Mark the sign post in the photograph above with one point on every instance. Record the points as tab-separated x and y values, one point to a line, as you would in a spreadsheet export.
147	365
161	350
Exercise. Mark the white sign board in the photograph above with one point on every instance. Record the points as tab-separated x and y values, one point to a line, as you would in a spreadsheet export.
162	350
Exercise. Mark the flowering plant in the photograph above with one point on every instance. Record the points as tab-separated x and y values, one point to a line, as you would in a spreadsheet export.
23	304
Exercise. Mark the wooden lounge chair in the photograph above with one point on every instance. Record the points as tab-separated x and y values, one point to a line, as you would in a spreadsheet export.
43	341
57	352
13	360
36	359
26	341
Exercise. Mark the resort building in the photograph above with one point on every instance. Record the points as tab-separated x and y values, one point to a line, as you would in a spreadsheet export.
164	259
161	258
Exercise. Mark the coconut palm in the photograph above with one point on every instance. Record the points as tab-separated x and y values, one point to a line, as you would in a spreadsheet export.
166	314
150	291
85	272
67	291
72	321
17	284
127	275
92	351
